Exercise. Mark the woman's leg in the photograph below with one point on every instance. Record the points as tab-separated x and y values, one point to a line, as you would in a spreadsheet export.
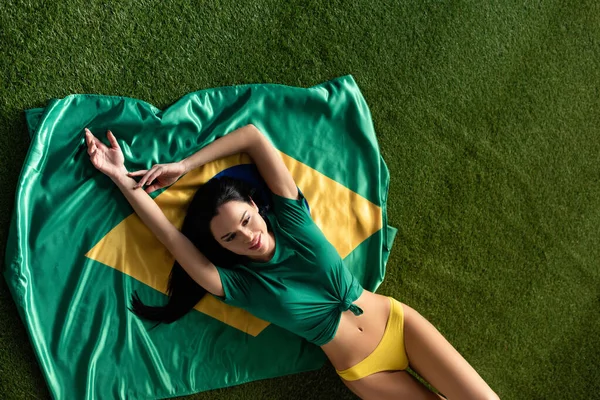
434	358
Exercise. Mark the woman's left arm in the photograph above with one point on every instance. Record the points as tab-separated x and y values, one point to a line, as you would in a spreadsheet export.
271	167
247	139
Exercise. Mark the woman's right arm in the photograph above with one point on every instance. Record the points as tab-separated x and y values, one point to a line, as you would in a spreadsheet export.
198	267
110	161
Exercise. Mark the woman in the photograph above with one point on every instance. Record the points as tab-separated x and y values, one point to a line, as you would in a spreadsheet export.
290	275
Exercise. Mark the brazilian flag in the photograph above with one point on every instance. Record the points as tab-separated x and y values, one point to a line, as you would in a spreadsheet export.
77	252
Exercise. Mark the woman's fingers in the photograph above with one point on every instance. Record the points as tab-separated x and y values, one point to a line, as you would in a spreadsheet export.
137	173
94	156
113	140
88	136
93	153
142	181
153	176
148	177
92	148
91	139
152	188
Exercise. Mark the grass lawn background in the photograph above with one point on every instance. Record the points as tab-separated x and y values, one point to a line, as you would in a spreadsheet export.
486	114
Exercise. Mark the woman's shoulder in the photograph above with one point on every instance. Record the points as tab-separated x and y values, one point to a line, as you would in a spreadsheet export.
292	212
300	231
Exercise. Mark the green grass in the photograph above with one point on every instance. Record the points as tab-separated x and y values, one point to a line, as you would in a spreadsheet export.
487	116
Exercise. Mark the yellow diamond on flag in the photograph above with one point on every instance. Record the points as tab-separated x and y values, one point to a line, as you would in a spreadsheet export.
345	217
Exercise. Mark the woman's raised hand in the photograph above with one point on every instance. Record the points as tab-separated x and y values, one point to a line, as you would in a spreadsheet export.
159	176
108	160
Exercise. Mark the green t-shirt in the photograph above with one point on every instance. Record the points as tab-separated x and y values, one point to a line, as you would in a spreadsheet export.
305	286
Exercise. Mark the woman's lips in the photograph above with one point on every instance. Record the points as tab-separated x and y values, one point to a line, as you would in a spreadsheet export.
258	244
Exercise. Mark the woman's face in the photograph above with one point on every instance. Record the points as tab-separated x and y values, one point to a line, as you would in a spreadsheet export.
239	228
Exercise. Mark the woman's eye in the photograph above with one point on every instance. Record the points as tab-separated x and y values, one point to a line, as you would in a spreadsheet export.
230	238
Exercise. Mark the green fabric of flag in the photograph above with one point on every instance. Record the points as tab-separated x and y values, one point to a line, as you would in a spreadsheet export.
75	308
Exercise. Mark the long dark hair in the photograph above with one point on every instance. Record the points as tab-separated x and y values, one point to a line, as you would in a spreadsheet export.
184	293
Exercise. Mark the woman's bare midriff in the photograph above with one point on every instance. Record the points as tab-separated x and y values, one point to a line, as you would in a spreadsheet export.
358	336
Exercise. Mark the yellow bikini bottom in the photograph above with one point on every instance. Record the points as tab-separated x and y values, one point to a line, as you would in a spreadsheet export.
389	355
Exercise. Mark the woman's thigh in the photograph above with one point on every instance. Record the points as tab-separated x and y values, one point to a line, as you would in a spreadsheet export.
437	361
396	385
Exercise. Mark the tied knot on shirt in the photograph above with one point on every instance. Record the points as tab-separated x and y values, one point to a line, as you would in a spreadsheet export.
348	305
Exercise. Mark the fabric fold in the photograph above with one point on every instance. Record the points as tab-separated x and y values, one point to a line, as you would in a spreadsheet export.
76	251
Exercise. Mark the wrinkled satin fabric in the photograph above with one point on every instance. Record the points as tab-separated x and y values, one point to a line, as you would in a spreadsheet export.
74	302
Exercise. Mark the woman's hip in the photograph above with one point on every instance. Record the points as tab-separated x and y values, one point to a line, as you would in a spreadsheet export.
362	341
390	352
